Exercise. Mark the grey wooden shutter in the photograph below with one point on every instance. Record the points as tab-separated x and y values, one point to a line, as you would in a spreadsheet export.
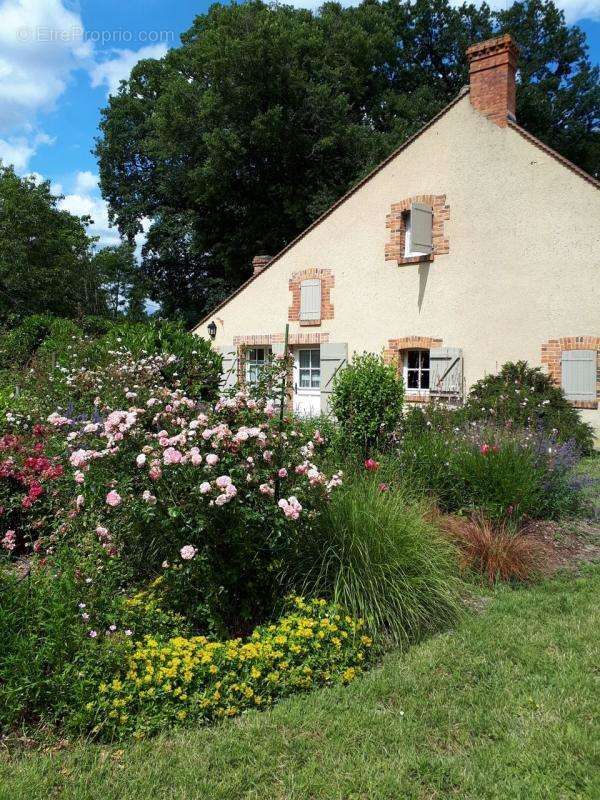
421	228
229	369
310	299
446	371
579	375
334	356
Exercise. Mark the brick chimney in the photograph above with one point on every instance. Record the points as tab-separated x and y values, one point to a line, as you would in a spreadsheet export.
259	263
492	68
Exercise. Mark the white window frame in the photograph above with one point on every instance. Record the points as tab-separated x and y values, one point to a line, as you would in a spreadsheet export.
420	369
254	363
314	371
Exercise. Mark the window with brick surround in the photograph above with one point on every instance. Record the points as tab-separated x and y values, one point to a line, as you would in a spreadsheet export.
311	296
577	374
417	229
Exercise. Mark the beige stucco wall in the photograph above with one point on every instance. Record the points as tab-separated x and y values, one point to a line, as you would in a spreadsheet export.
523	267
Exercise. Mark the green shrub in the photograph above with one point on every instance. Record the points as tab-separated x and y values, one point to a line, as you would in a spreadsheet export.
163	682
376	554
506	474
525	396
367	401
59	634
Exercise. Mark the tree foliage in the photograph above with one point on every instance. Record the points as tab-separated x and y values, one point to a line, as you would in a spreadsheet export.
46	261
232	143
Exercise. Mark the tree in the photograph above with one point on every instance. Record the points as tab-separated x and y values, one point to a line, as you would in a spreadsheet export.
234	142
120	275
45	254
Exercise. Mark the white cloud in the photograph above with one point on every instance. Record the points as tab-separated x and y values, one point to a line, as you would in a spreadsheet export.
41	42
91	204
16	151
112	71
85	180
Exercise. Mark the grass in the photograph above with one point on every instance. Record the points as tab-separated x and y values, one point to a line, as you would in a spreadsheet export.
503	707
378	556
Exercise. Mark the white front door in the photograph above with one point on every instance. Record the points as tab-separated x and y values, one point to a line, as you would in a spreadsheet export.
307	381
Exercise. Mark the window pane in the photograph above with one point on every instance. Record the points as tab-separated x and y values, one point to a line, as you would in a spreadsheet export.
251	355
260	355
425	359
413	359
425	379
413	379
304	358
305	378
315	378
315	357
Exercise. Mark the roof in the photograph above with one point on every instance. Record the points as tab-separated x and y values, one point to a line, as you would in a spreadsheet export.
464	91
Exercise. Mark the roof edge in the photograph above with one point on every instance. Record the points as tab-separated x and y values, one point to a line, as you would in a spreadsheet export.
464	91
557	156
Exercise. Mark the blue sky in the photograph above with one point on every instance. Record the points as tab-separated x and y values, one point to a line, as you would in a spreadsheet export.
59	59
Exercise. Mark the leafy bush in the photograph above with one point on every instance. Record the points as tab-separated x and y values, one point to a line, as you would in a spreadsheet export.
48	665
378	556
496	551
525	396
163	682
507	474
59	364
367	401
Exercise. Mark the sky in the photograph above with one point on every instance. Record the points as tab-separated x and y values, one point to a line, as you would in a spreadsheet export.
60	59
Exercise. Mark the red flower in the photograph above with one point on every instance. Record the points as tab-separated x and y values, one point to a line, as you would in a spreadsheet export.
371	465
485	449
384	487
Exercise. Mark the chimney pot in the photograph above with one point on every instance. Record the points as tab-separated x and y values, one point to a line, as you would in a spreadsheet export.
259	263
492	70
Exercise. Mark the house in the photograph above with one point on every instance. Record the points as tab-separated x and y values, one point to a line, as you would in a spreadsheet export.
471	245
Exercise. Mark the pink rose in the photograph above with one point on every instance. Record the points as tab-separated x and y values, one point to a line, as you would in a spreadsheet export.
155	473
283	472
113	499
223	481
205	487
212	459
79	477
172	456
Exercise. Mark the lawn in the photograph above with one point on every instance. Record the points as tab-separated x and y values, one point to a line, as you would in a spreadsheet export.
503	707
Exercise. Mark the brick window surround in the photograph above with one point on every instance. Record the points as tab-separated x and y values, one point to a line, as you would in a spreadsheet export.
394	354
551	356
327	283
396	223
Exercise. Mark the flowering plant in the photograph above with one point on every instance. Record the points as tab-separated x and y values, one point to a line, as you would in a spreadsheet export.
28	491
211	496
164	682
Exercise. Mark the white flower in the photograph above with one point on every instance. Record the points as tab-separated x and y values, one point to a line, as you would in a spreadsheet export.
187	552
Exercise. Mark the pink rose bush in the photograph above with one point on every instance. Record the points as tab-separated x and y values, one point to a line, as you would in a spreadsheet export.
216	492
